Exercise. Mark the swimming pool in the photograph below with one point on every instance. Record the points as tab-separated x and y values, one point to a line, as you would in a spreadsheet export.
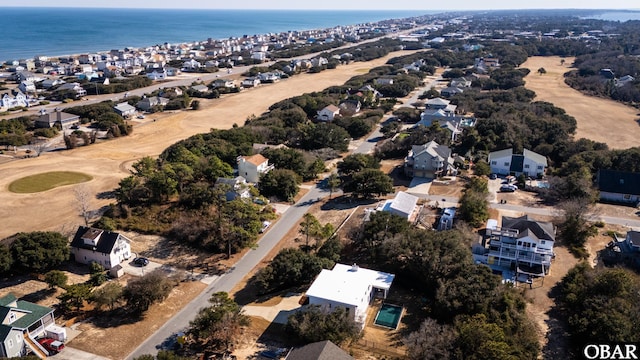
389	316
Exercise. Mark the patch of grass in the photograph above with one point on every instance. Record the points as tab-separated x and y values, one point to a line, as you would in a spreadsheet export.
47	181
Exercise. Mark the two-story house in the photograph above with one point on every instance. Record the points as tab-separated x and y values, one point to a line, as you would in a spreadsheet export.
328	113
22	323
101	246
252	167
521	244
429	160
529	163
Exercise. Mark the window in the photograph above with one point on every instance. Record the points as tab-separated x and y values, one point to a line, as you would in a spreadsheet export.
542	242
540	167
506	163
526	166
12	317
10	342
494	163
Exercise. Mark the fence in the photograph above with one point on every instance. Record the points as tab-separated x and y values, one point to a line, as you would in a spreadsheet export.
381	349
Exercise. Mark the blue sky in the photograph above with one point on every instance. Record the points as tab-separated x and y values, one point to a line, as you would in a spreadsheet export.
341	4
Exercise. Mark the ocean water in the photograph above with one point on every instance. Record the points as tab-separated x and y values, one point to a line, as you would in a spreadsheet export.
28	32
621	16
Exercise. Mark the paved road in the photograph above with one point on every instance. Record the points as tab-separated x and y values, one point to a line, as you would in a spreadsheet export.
228	281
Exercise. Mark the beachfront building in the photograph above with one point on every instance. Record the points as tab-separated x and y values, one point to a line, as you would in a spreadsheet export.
529	163
350	287
252	167
521	244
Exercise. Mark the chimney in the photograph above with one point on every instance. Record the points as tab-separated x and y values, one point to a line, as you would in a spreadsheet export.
354	267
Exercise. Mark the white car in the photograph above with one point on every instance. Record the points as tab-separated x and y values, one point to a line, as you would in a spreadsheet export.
265	226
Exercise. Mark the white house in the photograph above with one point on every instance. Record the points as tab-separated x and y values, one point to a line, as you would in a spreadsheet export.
521	243
157	74
124	109
101	246
252	167
8	101
403	204
328	113
529	163
350	287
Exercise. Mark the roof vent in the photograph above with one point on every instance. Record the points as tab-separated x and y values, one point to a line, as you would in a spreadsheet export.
354	267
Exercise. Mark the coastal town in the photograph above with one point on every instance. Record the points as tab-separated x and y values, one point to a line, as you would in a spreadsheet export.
413	188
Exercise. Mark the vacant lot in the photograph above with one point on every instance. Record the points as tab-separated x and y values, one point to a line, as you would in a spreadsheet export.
599	119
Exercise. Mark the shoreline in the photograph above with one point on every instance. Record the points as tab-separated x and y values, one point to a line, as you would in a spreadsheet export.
214	33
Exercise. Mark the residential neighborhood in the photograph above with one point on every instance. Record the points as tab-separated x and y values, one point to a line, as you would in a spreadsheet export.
428	206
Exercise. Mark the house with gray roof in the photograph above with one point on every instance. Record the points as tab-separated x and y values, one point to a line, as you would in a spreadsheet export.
148	103
619	186
321	350
529	163
633	241
50	119
100	246
22	323
521	243
429	160
124	109
403	204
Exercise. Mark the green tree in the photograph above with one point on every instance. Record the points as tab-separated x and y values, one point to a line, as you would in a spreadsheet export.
281	183
355	163
333	182
481	167
39	251
474	207
142	292
56	278
368	182
290	267
574	228
109	295
6	260
75	296
479	339
219	324
314	324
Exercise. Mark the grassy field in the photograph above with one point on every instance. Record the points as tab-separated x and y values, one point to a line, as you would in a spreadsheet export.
47	181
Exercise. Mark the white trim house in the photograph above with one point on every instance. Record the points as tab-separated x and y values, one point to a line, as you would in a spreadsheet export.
252	167
350	287
100	246
505	162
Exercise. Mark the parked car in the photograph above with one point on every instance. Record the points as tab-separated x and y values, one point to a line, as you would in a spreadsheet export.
141	261
493	176
53	346
265	226
508	188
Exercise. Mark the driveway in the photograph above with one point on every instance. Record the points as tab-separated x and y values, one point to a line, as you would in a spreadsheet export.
420	186
135	270
276	313
69	353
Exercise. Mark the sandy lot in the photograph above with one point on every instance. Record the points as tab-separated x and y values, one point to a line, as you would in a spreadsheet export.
108	162
598	119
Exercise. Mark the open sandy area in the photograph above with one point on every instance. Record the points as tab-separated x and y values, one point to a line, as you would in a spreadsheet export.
109	162
599	119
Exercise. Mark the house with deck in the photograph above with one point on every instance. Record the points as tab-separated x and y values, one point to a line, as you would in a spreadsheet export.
350	287
104	247
429	160
22	324
529	163
521	244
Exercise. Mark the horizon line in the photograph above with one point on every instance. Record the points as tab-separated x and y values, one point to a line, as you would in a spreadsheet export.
316	9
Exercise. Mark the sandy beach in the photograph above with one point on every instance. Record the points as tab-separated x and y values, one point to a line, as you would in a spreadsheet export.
108	162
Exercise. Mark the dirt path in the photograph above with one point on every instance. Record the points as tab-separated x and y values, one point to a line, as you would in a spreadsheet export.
107	162
598	119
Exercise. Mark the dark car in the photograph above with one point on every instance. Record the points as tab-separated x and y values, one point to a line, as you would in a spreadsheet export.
141	261
493	176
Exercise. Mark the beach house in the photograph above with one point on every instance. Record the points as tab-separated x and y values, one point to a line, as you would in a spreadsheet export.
252	167
350	287
429	160
22	323
529	163
100	246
